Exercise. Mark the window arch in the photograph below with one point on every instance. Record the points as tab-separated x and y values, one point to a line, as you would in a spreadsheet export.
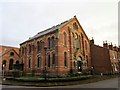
11	64
64	39
65	59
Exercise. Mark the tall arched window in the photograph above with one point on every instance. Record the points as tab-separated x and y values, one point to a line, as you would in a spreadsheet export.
79	42
38	48
38	62
29	63
49	60
29	48
49	43
85	45
53	58
87	60
53	42
11	64
65	59
64	39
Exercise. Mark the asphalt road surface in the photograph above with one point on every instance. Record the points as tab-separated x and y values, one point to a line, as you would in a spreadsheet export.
110	84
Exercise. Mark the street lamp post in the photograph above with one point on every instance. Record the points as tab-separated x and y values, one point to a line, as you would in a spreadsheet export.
45	48
4	72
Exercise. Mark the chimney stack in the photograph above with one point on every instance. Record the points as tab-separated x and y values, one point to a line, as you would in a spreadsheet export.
115	48
111	46
105	44
92	41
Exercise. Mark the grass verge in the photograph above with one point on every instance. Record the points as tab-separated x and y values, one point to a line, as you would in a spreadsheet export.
56	82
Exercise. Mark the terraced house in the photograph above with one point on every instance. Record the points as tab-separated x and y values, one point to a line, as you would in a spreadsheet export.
61	49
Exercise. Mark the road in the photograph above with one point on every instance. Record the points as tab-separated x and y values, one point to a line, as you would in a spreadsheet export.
111	83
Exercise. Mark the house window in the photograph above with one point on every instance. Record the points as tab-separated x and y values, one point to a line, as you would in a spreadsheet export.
29	63
53	58
65	59
11	54
49	60
38	62
38	48
49	43
75	26
64	39
11	64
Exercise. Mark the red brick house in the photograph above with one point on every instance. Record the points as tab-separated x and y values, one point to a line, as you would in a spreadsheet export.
61	49
104	59
8	56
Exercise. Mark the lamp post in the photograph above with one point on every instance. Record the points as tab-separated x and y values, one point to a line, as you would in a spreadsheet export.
3	71
45	48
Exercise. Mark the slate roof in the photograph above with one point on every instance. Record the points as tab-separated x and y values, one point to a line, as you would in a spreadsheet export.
49	30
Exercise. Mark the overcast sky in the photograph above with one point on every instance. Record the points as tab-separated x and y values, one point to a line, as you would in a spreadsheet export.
21	19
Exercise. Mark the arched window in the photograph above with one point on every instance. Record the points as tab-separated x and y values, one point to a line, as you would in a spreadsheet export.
87	60
53	58
11	64
53	42
65	59
49	60
85	45
49	43
29	48
64	39
76	43
74	64
38	46
11	54
38	62
29	63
